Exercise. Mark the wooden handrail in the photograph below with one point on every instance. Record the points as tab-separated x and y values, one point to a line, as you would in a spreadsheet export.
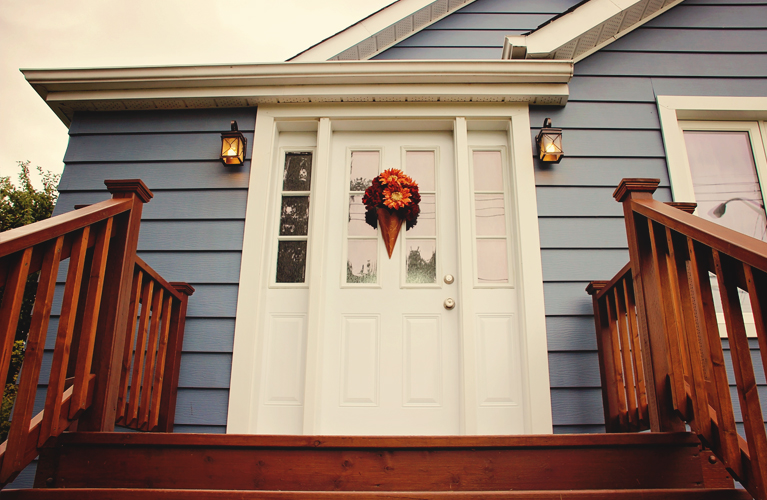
99	242
672	256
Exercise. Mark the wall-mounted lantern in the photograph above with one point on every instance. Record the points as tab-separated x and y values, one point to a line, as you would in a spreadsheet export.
549	141
233	145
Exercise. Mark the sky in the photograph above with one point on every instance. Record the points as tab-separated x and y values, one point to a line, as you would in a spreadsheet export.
46	34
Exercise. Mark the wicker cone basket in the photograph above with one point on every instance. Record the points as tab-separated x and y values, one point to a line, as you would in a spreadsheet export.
390	225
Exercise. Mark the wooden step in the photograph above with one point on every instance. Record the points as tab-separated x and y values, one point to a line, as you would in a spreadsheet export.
142	494
374	464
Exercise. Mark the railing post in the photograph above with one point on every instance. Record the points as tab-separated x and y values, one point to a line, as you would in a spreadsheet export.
113	317
648	285
173	358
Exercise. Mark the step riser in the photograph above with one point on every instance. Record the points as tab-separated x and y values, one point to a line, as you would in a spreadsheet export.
381	469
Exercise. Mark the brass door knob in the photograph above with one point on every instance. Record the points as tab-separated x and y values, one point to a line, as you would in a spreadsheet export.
449	279
449	304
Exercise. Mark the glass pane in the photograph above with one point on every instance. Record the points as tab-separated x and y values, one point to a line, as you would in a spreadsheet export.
357	224
291	262
492	266
488	174
420	166
421	261
364	168
298	172
490	214
426	225
294	220
725	181
362	260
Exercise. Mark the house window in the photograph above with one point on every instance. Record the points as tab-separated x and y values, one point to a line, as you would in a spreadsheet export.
294	217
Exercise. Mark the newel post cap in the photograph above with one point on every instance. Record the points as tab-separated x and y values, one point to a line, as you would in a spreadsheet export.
628	186
136	186
684	206
594	287
182	287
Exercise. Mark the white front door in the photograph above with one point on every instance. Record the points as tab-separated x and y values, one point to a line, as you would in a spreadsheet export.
390	356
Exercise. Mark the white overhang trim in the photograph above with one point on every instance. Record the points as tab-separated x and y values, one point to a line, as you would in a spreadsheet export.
381	30
185	87
585	30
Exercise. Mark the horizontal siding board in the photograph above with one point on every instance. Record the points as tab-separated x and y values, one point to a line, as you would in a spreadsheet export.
600	115
699	16
673	64
560	201
491	21
519	6
691	40
196	267
756	360
762	390
607	172
441	53
147	147
577	406
741	87
458	38
581	264
213	301
182	120
191	235
560	232
205	371
579	429
567	299
156	175
571	333
199	429
200	205
201	406
601	88
209	335
574	369
608	143
25	479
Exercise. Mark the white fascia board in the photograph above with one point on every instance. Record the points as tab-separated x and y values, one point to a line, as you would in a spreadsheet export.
358	32
572	25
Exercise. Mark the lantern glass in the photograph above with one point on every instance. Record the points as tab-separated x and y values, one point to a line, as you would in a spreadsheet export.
551	146
232	149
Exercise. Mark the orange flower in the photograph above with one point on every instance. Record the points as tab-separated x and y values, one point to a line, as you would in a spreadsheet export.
395	176
396	197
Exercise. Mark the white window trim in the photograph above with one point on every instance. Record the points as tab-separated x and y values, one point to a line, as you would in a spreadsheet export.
243	396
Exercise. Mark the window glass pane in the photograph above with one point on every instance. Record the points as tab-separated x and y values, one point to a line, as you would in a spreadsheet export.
291	262
357	224
294	220
421	261
420	166
298	172
491	214
361	261
725	180
488	174
492	266
364	168
426	225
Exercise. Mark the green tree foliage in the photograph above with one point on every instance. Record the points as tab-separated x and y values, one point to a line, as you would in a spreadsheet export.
21	205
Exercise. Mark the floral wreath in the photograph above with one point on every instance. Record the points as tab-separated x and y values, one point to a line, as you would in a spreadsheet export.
396	192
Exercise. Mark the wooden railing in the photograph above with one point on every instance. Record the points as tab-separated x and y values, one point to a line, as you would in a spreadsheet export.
676	361
91	347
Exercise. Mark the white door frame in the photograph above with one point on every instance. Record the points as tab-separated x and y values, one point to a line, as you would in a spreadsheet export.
248	344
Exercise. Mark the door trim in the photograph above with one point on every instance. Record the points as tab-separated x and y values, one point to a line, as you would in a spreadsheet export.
513	118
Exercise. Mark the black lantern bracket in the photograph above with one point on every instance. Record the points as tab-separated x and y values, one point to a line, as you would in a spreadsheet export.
549	143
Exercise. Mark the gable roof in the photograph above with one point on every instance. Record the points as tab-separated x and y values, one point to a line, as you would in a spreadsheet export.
573	35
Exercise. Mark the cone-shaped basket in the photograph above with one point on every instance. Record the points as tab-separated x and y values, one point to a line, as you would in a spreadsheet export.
389	224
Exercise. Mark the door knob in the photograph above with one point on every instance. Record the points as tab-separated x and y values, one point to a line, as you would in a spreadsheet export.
449	304
449	279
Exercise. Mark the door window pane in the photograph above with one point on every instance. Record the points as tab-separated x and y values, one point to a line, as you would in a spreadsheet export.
420	166
364	166
492	264
361	261
490	213
421	261
297	175
427	219
488	173
294	218
291	262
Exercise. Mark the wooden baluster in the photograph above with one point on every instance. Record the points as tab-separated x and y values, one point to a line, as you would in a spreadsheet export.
130	337
729	449
138	359
628	369
636	351
33	358
175	343
750	408
618	367
151	355
649	305
604	351
757	290
90	320
13	296
159	373
113	320
49	426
